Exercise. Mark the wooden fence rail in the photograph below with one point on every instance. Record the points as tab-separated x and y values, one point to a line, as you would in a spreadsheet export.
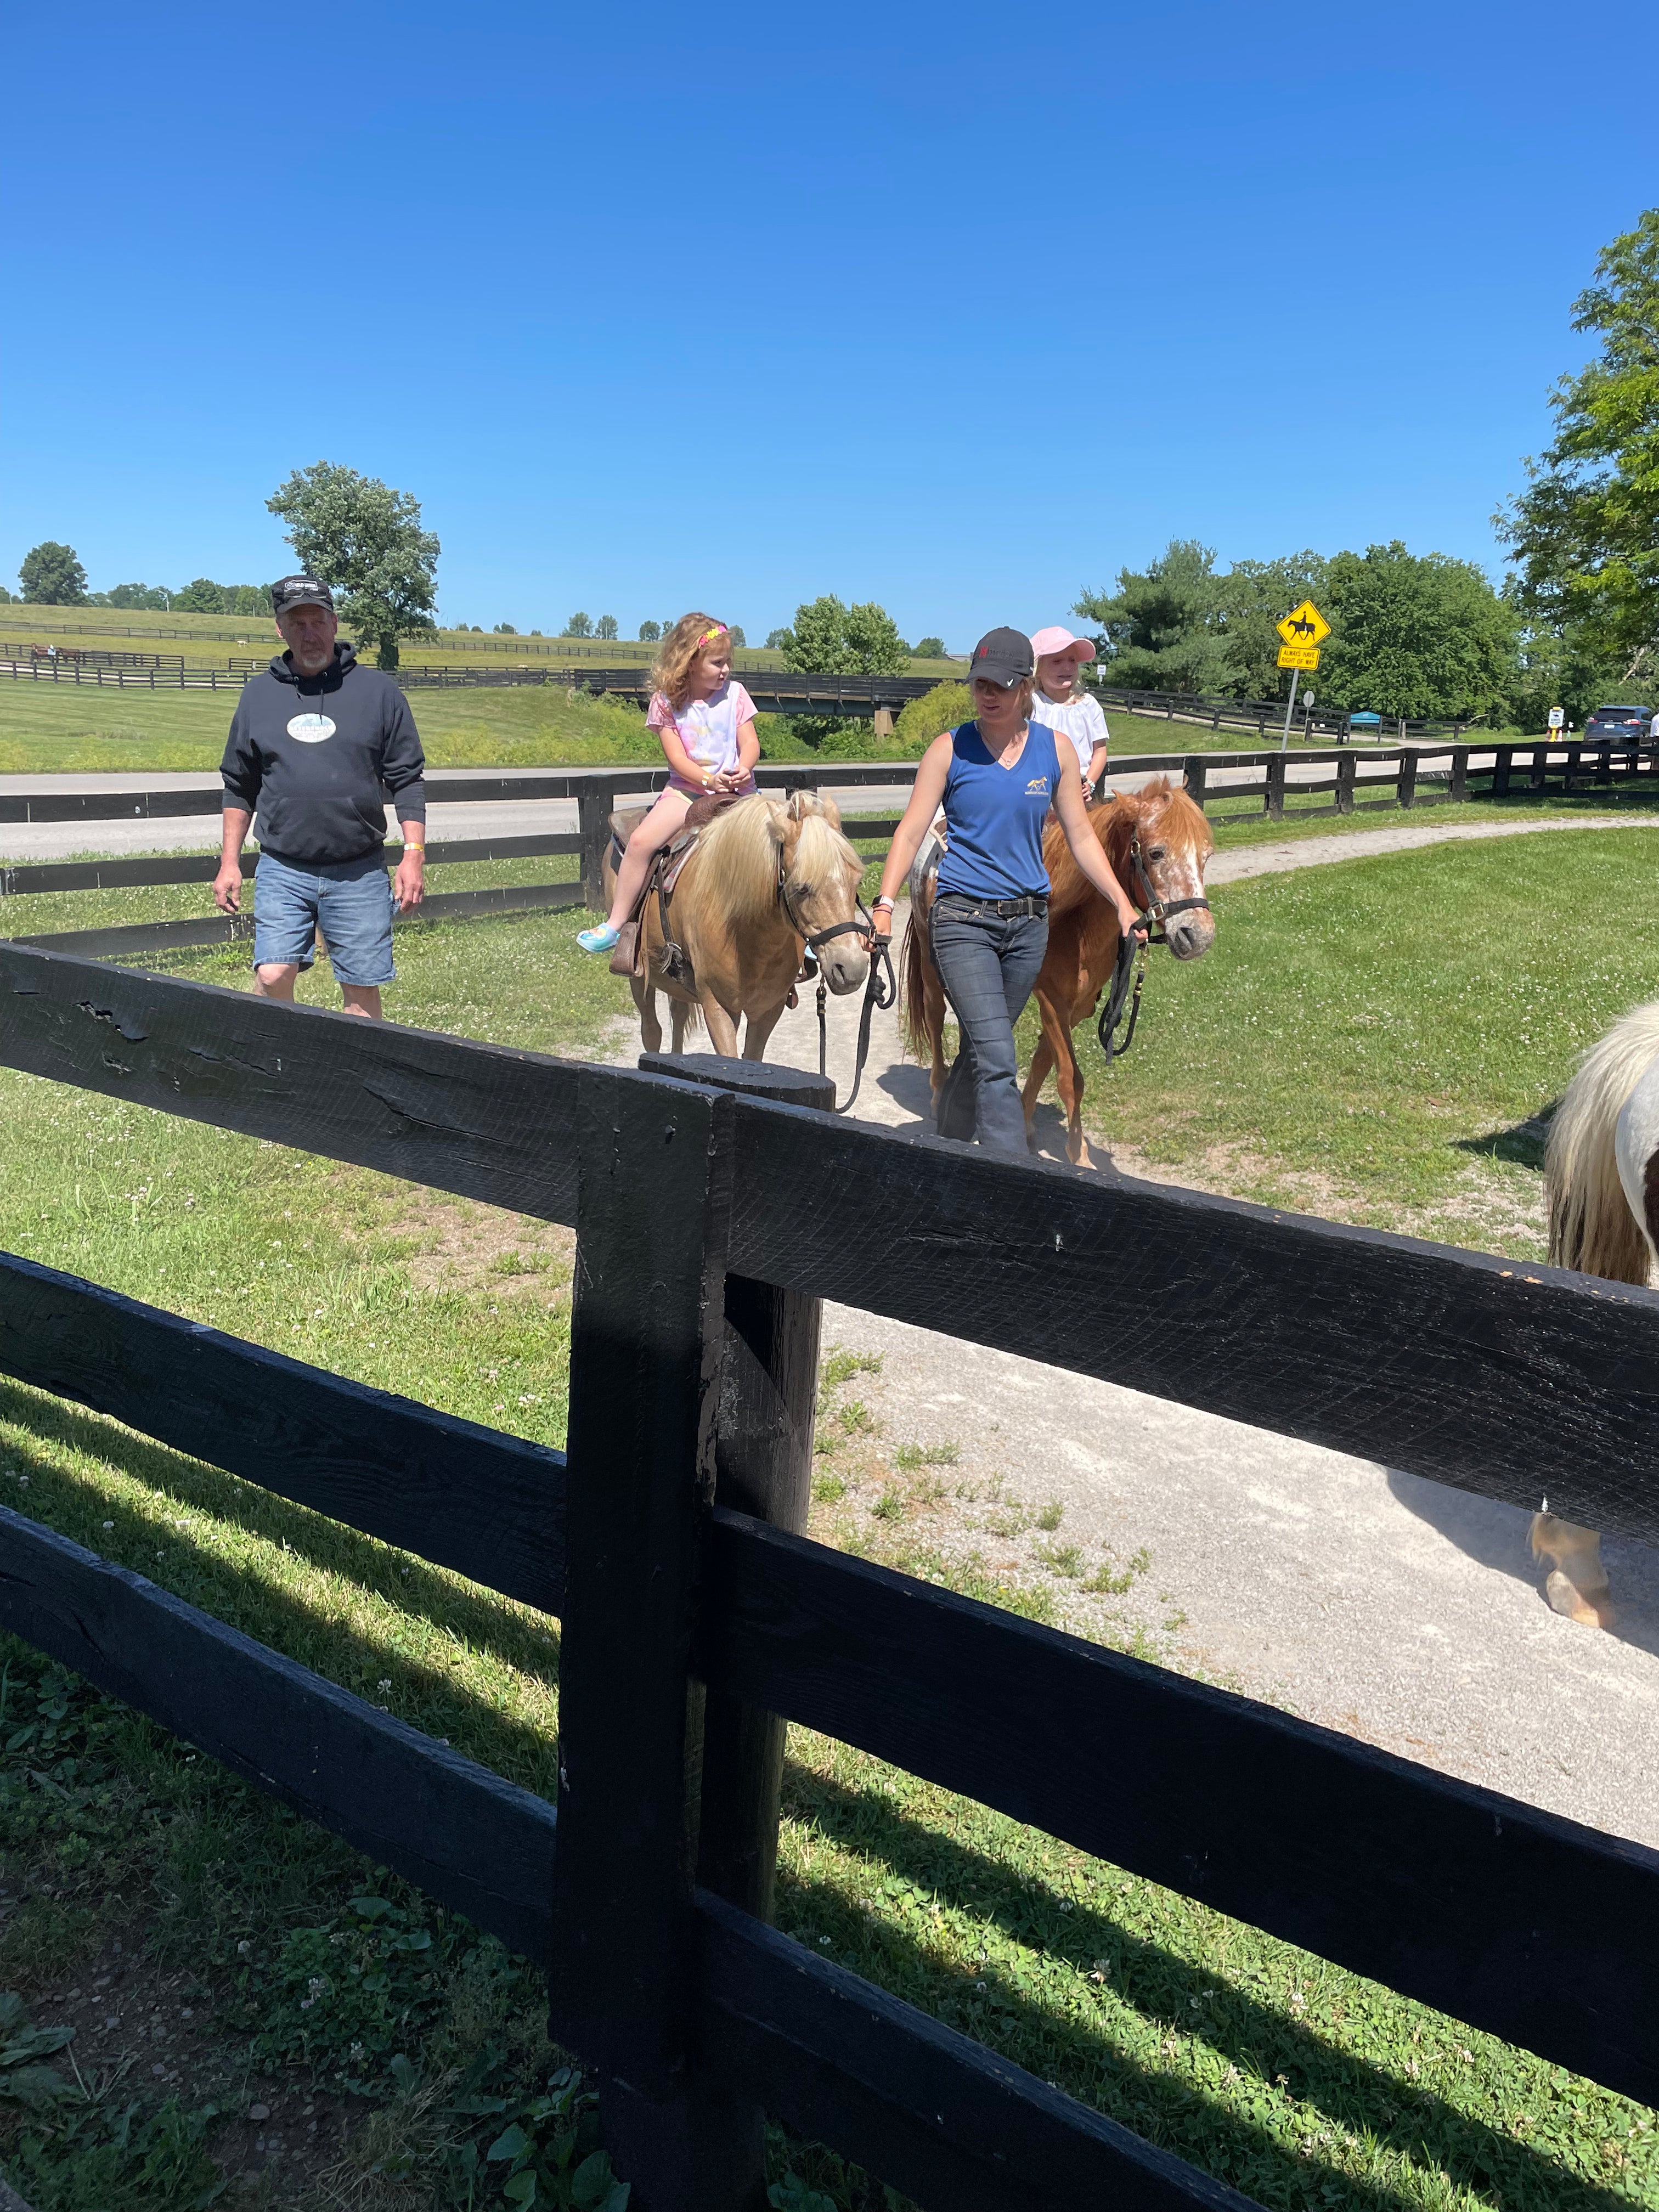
697	1618
1413	776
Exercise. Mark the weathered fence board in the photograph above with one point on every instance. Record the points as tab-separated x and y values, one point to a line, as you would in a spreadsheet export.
488	1505
463	1834
474	1119
1510	1380
931	2112
1430	1884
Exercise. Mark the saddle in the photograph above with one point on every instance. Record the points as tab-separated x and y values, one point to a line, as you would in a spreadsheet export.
628	957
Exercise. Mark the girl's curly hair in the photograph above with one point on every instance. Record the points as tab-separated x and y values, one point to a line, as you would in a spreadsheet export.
671	671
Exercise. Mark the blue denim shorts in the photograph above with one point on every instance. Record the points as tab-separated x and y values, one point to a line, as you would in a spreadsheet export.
349	901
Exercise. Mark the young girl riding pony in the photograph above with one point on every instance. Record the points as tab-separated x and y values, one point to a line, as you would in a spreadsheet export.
705	724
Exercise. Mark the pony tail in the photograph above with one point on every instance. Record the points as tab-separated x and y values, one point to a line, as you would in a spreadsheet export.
914	990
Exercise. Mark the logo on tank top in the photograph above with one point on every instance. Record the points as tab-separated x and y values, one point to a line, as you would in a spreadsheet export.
311	729
1037	787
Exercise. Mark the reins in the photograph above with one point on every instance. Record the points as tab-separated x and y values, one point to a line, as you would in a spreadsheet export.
1155	913
880	989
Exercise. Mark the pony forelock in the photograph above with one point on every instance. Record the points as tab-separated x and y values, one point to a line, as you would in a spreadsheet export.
738	856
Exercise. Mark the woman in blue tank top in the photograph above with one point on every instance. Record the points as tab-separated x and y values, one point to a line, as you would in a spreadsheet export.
996	777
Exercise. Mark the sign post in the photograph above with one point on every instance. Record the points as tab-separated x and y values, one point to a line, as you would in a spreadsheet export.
1558	716
1303	632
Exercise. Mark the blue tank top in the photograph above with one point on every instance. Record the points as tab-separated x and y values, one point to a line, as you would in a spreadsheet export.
995	815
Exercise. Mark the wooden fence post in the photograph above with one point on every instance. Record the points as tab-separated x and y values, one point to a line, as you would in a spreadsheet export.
647	1331
1274	804
1458	788
764	1467
593	814
1406	793
1196	769
1540	762
1345	775
1503	762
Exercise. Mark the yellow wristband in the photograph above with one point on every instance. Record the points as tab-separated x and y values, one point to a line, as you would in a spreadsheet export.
408	848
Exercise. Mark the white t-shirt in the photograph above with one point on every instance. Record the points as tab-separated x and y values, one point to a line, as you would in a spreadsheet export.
708	727
1078	718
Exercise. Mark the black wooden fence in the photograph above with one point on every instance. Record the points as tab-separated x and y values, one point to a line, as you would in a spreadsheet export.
1405	776
714	1208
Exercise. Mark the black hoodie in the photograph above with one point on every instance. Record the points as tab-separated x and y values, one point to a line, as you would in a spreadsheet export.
316	757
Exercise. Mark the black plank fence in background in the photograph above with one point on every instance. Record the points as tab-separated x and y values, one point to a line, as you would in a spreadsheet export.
1411	775
714	1208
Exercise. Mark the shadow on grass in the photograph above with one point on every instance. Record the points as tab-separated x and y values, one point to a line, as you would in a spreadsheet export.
1270	2050
1521	1145
472	1619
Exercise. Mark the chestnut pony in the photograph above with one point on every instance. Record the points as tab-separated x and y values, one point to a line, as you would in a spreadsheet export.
1159	845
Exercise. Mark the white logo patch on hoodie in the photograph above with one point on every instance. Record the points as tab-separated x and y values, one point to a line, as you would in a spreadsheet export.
311	729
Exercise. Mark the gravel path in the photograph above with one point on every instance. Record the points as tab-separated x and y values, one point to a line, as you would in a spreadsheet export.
1396	1609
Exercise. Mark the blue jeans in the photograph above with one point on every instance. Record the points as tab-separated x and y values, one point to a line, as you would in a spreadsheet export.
349	901
987	964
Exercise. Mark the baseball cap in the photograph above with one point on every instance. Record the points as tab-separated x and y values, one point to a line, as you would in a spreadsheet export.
1004	655
299	591
1056	640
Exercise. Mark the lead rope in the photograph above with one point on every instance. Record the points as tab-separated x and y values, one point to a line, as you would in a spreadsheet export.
880	992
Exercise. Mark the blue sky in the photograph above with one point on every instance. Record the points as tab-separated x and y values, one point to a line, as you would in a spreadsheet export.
957	309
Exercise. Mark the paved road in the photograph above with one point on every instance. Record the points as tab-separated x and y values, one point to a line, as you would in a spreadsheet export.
1396	1609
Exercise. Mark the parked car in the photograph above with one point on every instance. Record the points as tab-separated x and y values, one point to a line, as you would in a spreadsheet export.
1620	726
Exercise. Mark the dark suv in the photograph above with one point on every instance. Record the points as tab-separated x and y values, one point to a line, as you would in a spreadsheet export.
1620	725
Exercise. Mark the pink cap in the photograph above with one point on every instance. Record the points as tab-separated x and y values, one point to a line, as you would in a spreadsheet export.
1056	640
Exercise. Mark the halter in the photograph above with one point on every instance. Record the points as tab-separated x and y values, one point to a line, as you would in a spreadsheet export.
879	989
1155	913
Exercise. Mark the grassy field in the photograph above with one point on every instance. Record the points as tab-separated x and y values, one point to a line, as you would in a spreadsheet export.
60	728
242	1990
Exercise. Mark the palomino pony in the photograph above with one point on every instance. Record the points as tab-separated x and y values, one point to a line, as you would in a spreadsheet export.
1159	845
1602	1188
763	880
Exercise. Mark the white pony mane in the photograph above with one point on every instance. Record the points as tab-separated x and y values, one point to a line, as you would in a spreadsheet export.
1591	1225
738	857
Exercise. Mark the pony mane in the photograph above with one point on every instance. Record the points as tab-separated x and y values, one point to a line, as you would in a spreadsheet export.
1591	1226
1160	805
738	856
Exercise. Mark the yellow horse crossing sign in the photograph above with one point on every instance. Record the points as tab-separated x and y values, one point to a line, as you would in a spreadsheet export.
1305	626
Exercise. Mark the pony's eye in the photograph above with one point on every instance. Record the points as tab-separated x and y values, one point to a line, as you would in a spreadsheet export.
1159	853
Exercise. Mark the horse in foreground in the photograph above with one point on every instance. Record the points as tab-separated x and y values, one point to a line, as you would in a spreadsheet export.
763	880
1601	1191
1159	845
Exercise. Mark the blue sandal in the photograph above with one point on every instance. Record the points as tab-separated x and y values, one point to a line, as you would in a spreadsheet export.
600	938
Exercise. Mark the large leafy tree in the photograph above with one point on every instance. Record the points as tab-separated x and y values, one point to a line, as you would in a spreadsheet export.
1415	635
365	539
830	638
51	576
1585	532
202	597
147	599
1165	628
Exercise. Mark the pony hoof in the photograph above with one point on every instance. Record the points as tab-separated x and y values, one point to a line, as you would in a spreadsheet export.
1589	1608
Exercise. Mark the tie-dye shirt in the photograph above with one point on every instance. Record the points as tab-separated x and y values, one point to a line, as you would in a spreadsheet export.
708	727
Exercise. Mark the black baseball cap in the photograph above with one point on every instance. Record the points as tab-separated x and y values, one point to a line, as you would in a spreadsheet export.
1004	655
299	591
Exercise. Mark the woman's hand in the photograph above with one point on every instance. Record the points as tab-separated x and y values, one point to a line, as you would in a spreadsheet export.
1131	924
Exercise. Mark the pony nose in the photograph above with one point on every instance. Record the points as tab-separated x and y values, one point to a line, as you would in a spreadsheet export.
844	970
1190	934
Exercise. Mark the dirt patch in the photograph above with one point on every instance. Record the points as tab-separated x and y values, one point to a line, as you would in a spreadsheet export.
459	1245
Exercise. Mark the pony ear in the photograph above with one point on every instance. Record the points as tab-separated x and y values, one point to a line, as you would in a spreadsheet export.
803	803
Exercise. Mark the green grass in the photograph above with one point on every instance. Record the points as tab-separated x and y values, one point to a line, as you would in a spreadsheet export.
1298	2082
1376	1040
1232	825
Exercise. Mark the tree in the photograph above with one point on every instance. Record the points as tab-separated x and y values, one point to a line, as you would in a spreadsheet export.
735	633
578	626
146	599
505	629
247	598
1166	625
830	638
605	625
650	632
928	648
1585	532
357	533
778	640
51	576
204	597
1415	633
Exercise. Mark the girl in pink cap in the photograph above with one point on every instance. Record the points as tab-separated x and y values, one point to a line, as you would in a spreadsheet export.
705	722
1064	705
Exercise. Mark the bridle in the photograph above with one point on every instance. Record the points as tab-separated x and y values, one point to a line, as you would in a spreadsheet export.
1155	913
879	989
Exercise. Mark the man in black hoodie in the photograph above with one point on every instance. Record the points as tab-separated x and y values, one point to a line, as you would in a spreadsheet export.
316	744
